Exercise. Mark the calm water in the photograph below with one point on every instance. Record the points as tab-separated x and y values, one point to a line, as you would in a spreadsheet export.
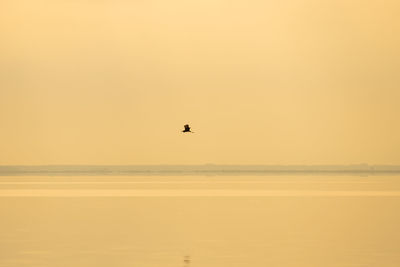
207	221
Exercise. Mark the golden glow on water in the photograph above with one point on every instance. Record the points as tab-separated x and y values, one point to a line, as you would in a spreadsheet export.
191	193
288	221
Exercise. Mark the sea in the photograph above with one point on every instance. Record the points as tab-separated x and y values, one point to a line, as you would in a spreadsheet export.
233	217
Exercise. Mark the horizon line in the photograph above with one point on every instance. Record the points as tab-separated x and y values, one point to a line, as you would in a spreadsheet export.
198	164
203	169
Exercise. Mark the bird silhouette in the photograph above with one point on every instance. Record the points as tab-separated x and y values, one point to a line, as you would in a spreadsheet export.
187	129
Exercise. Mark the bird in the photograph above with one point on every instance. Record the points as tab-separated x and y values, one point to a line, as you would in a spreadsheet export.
187	129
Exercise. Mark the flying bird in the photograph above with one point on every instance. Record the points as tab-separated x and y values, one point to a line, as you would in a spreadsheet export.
187	129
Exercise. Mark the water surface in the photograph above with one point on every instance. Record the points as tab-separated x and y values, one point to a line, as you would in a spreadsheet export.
263	220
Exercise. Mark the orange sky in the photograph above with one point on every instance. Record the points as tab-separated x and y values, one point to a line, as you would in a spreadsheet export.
260	82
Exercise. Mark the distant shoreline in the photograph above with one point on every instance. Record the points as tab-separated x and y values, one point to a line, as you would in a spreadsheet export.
207	169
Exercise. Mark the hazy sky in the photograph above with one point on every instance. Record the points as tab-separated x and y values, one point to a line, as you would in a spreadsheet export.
260	82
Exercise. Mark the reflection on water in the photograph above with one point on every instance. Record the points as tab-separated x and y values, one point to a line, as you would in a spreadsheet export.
290	221
190	193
